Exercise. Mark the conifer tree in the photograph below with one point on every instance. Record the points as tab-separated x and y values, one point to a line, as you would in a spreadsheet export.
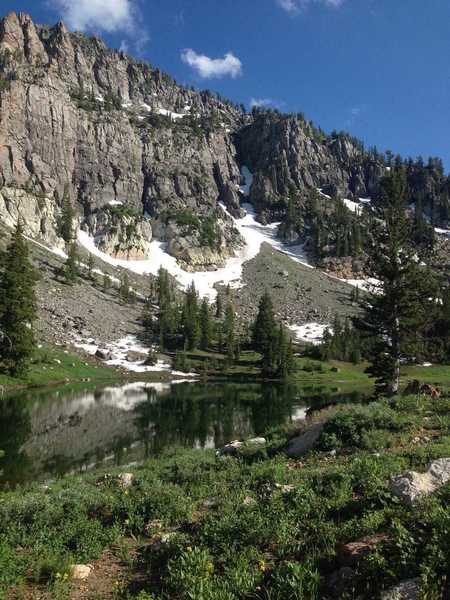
219	306
91	265
17	305
67	217
191	329
70	270
205	325
264	325
124	289
396	311
106	282
229	326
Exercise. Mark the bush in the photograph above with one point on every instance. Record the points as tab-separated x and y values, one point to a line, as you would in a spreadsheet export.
354	427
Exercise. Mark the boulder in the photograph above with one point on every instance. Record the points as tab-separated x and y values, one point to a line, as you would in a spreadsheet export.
80	572
414	388
125	480
300	445
411	485
350	554
230	448
406	590
103	354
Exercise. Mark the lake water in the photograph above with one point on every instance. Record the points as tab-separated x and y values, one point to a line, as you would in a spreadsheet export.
47	433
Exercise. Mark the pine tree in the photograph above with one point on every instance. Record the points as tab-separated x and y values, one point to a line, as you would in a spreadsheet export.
67	217
191	329
265	333
106	282
219	306
229	326
205	325
70	270
91	265
124	289
397	310
17	305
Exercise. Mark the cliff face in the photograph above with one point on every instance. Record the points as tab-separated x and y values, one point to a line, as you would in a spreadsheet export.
285	154
80	118
83	121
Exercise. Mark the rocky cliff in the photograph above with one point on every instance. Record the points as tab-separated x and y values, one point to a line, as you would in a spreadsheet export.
79	118
82	121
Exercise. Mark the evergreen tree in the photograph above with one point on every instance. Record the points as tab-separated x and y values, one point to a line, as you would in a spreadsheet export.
70	270
124	289
191	329
265	333
396	312
106	282
284	354
229	326
205	325
219	306
17	306
67	217
91	265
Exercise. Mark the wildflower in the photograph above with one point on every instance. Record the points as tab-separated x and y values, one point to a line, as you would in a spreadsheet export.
262	566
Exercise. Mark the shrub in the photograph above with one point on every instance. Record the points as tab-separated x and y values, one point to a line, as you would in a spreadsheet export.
354	426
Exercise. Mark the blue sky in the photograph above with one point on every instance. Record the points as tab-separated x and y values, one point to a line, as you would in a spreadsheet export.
377	68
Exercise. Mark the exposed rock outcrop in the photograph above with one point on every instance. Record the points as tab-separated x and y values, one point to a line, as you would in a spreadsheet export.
411	485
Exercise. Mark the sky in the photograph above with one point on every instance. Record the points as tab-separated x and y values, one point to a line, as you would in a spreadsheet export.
379	69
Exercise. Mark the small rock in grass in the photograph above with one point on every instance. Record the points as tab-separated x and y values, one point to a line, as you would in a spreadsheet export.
349	554
411	485
406	590
230	448
285	488
80	572
126	480
257	441
249	501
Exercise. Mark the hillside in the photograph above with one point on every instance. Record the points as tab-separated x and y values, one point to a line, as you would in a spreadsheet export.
160	174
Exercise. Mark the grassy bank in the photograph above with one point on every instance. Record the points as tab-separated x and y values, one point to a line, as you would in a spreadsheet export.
53	365
308	370
260	526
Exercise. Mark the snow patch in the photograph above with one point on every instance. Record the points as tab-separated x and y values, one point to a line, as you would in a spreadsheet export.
322	194
115	203
309	332
440	231
352	206
248	180
168	113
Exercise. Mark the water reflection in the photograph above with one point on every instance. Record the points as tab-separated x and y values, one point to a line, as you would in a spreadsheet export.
49	433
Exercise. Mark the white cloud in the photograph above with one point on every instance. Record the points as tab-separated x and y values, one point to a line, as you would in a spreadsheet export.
212	67
354	114
264	102
258	102
105	15
295	6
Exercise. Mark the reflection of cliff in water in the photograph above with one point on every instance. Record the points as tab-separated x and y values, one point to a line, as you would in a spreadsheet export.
45	434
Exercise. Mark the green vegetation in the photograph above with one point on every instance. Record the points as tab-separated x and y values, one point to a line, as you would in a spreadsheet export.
192	525
399	312
67	218
51	365
17	306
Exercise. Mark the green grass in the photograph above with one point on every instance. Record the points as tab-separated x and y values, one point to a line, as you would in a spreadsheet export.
52	365
233	532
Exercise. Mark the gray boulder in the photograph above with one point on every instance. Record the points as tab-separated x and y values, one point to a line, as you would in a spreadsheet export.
406	590
301	444
411	485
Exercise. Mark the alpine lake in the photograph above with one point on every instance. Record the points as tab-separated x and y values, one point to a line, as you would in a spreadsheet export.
49	432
